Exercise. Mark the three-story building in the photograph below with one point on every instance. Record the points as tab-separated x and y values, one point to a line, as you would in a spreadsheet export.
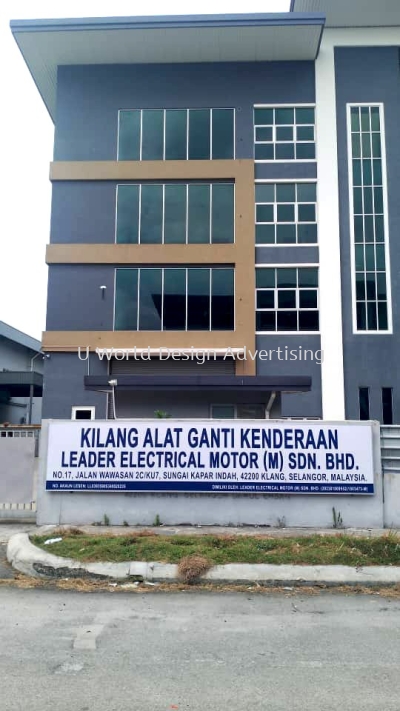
225	209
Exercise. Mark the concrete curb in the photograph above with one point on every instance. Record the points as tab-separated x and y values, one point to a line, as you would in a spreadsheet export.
35	562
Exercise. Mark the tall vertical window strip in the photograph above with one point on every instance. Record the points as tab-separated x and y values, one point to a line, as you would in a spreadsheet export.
175	213
387	406
286	213
284	133
176	134
363	401
369	230
174	299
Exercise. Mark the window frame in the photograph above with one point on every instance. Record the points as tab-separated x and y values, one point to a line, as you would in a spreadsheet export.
85	408
352	214
390	389
164	110
294	125
186	268
295	181
164	185
235	407
297	289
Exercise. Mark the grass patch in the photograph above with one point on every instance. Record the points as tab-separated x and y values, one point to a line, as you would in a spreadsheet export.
217	550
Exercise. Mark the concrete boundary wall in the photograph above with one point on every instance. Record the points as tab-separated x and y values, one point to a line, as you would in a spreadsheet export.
78	508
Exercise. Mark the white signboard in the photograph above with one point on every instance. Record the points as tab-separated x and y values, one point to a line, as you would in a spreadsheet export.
228	456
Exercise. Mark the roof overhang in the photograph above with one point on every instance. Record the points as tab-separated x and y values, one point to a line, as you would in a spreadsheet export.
356	13
204	383
47	44
18	383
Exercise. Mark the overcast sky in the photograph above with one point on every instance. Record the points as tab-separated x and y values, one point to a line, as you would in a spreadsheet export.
26	142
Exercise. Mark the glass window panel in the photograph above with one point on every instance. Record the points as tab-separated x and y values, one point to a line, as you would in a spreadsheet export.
175	134
377	167
263	116
285	213
265	193
376	145
308	277
361	316
358	205
306	213
264	151
378	197
286	277
152	134
284	116
266	299
150	299
379	228
356	145
265	278
129	135
286	299
359	252
305	151
286	320
307	233
127	214
368	209
380	257
371	287
286	234
175	214
264	213
198	300
365	122
126	299
305	133
199	214
366	145
370	257
381	286
382	316
286	192
222	300
308	321
360	286
308	299
264	133
307	192
199	134
174	313
358	229
372	322
266	321
357	173
223	412
222	222
265	234
305	115
387	406
369	228
251	412
151	214
367	172
363	400
222	133
355	119
284	151
284	133
375	123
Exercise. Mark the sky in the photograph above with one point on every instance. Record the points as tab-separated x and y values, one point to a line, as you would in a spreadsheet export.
26	146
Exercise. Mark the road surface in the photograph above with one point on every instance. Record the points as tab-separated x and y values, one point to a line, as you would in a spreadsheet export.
68	651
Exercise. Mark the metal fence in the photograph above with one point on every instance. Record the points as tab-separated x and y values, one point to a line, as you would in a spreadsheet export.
22	432
390	448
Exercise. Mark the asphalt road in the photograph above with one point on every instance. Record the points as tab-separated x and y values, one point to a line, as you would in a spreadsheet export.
66	651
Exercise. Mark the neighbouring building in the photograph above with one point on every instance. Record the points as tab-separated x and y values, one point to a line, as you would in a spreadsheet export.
21	377
223	183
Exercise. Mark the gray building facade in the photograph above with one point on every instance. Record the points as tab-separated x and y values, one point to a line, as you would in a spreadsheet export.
224	213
